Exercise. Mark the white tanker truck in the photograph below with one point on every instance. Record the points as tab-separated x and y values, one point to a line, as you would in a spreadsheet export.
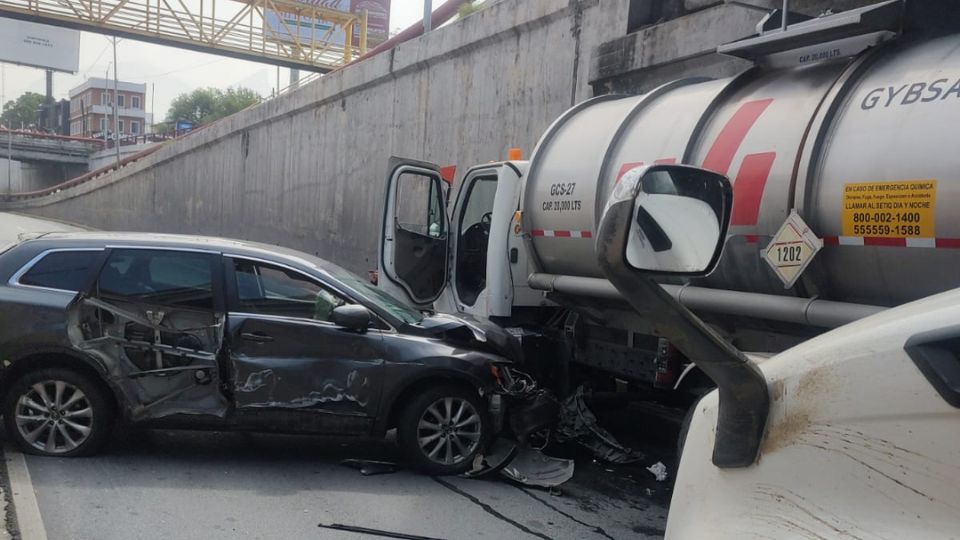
842	121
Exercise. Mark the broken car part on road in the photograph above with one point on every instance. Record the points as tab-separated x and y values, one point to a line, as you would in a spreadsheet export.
578	423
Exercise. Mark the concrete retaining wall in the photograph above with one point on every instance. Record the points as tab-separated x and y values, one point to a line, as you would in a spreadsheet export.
307	170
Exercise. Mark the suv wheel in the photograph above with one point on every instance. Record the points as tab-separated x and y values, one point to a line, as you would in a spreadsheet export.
443	429
57	412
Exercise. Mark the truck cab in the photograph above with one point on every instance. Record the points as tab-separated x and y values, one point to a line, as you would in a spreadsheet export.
456	251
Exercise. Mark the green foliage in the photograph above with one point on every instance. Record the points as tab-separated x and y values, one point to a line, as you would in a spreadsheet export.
204	105
236	99
470	8
22	111
163	127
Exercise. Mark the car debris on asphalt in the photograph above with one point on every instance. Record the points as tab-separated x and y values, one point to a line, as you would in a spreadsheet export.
659	471
578	423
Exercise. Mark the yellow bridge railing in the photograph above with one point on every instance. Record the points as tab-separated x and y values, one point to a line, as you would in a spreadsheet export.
281	32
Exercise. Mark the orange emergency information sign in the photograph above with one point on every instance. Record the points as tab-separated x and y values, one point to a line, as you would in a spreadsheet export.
901	209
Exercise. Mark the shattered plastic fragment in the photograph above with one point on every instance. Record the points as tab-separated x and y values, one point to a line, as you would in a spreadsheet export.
578	423
532	468
501	452
369	467
659	470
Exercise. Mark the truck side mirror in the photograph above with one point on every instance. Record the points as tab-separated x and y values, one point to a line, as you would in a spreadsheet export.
672	220
679	219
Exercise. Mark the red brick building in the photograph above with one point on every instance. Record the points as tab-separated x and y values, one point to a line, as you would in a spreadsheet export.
91	108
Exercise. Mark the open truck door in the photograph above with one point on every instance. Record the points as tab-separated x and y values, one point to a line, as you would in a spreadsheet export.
413	243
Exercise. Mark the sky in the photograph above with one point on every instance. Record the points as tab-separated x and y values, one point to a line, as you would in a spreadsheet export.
169	72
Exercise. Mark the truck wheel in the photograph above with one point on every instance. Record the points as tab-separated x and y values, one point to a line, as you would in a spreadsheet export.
57	412
443	429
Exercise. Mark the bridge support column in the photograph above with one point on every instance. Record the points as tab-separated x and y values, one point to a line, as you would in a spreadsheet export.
13	183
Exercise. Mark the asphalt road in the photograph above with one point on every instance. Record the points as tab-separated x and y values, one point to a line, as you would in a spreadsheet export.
165	484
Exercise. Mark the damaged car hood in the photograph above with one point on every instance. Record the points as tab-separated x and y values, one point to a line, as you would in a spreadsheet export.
471	332
443	322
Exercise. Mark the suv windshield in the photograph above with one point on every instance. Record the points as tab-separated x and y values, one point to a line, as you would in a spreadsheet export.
376	296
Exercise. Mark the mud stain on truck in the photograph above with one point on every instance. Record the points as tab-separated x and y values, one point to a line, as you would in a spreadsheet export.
794	407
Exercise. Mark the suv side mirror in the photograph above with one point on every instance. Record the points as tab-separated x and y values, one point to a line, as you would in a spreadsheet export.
352	317
679	218
672	220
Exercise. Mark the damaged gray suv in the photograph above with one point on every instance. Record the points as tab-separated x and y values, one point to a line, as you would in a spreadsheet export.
205	333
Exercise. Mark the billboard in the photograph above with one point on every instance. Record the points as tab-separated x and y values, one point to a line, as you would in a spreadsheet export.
378	22
39	45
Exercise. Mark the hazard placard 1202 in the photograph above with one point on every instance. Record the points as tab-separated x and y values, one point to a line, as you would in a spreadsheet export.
791	249
901	209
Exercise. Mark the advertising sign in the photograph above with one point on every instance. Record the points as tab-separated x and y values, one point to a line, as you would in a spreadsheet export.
378	23
39	45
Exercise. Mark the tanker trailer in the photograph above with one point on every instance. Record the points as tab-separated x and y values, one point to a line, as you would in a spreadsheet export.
852	135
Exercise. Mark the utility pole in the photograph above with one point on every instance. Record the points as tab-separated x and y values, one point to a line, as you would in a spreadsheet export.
3	102
427	16
106	117
294	78
153	112
783	23
116	105
48	113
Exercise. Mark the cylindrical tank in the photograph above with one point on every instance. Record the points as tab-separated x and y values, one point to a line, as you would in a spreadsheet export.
863	148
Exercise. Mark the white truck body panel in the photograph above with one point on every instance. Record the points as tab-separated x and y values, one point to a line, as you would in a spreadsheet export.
859	444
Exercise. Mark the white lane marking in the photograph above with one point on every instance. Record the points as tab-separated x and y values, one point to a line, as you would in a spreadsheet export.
24	498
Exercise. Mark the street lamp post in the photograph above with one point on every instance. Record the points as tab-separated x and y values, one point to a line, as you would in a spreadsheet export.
3	102
116	105
106	116
427	16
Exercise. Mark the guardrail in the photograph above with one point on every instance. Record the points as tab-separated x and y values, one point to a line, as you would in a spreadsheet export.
50	136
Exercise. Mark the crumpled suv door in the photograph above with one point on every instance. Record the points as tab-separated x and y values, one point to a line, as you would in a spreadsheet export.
154	318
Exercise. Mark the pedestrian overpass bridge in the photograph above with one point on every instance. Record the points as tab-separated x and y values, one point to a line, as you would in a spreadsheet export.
34	147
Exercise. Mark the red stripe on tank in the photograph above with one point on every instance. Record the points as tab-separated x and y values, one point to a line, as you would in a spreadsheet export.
721	154
748	189
881	241
948	243
626	167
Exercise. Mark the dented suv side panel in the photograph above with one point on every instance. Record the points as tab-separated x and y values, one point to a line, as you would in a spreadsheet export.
175	345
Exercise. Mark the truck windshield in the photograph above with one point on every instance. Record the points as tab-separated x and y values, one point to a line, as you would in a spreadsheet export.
375	296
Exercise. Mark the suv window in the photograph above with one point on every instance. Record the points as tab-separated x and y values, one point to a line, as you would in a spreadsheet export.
174	278
271	290
66	270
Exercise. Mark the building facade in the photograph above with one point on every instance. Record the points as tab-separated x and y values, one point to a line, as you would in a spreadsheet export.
91	109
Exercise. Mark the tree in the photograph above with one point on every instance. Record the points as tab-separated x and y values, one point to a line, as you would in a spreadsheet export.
162	127
22	111
235	100
469	8
205	105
